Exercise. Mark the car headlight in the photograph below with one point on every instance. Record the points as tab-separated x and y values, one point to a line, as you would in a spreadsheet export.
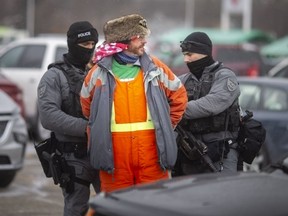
20	138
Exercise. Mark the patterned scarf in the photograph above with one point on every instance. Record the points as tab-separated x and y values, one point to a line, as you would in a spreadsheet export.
107	49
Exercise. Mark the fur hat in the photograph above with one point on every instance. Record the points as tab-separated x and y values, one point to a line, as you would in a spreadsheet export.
123	28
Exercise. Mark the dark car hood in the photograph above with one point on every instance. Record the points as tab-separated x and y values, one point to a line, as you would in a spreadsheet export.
208	194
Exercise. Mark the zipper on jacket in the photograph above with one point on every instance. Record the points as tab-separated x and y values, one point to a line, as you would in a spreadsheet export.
111	171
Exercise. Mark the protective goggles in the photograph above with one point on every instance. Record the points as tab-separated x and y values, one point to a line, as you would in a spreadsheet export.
189	45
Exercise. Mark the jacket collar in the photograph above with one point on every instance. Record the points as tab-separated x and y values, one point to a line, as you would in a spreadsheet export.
145	62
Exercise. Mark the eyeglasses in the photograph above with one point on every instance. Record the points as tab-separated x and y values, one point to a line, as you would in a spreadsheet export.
188	45
140	37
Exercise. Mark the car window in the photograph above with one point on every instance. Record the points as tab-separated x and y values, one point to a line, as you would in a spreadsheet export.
11	58
59	53
275	99
250	96
28	56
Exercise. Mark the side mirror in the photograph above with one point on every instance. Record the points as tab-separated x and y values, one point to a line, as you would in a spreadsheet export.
285	165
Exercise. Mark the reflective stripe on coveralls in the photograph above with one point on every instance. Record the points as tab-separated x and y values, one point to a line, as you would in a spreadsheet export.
135	126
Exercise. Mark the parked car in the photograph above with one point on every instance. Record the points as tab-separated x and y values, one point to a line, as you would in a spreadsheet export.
280	69
276	51
237	49
13	91
24	62
8	34
13	139
268	99
244	193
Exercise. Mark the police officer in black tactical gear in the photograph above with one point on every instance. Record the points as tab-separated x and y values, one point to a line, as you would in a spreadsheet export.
60	112
212	114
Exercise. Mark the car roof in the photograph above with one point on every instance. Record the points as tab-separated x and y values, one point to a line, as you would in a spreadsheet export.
205	194
272	81
37	40
62	41
219	36
278	48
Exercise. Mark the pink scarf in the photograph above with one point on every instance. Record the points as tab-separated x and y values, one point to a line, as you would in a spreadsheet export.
107	49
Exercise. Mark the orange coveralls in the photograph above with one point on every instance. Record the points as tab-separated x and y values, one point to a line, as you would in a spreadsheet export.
135	152
134	142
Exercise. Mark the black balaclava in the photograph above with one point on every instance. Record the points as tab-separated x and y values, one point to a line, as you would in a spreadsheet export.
198	42
197	67
80	32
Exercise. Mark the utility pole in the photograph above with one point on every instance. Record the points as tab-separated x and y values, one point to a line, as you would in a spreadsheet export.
189	13
247	15
30	17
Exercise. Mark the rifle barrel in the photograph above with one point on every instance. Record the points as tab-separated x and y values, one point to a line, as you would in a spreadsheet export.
200	146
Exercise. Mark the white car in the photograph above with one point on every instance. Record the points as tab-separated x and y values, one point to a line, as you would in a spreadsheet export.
13	139
24	62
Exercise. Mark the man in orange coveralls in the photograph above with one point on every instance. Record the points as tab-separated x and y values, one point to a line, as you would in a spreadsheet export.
133	102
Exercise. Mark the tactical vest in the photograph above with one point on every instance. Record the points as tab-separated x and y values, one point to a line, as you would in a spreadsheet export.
226	120
75	80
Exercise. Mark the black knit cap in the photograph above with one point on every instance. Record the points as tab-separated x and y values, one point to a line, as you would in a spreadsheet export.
82	31
197	42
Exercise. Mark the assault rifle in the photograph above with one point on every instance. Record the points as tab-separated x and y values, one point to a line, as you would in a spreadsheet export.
187	144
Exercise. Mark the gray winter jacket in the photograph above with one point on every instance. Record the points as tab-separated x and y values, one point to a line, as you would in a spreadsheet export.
53	89
224	91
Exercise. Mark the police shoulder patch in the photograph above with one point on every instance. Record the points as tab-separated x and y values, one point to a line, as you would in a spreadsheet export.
231	85
42	91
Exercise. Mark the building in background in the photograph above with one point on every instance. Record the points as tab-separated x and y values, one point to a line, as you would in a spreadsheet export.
53	16
8	34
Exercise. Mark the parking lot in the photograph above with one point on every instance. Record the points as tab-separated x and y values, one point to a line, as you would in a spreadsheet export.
31	193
